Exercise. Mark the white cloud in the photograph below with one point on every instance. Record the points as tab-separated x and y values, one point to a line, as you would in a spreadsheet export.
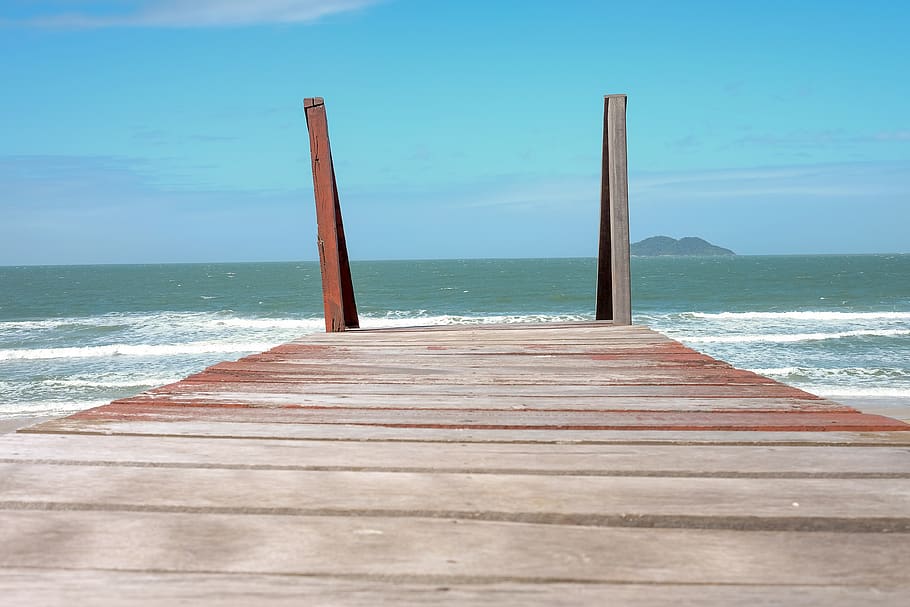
819	181
195	13
821	138
893	136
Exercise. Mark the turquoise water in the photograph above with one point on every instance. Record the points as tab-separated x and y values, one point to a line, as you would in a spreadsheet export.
72	337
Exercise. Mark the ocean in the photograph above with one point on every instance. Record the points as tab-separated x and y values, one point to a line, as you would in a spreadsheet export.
74	337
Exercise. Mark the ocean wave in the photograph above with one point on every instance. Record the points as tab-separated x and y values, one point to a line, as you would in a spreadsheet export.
836	392
226	319
48	408
393	318
801	316
114	319
845	373
304	324
103	384
135	350
792	337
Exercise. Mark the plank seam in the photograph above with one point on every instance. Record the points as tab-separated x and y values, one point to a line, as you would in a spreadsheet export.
487	471
554	441
844	525
442	579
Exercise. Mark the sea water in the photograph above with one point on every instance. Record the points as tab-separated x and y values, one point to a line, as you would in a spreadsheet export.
73	337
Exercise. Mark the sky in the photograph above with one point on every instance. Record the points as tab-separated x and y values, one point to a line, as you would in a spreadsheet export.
153	131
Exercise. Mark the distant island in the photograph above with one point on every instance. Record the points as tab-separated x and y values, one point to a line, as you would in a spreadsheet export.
664	245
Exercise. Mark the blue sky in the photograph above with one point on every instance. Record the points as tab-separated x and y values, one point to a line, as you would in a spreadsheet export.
167	131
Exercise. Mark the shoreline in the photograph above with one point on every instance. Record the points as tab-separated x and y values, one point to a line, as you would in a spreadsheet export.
896	407
10	425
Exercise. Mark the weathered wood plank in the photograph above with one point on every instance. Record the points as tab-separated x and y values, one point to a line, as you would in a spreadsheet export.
479	458
104	588
335	432
729	503
497	334
502	344
389	374
380	546
243	395
589	336
544	362
568	327
210	380
496	419
492	368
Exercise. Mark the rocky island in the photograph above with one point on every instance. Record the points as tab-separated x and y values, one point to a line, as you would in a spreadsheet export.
689	246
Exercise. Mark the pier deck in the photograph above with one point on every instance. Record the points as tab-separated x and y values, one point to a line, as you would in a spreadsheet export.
511	465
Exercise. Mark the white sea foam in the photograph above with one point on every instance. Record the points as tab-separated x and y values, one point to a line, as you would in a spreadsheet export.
101	383
844	373
802	316
218	320
48	408
304	324
114	319
793	337
860	391
202	347
779	371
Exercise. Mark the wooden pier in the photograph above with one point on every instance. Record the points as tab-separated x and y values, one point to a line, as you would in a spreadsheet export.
584	463
592	463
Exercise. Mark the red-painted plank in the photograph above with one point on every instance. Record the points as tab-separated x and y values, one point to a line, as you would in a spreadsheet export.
485	419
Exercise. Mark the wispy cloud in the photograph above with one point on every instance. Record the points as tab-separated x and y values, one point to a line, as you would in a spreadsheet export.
103	209
893	136
180	13
818	181
820	138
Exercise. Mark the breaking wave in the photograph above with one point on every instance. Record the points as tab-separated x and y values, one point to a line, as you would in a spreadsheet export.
134	350
794	337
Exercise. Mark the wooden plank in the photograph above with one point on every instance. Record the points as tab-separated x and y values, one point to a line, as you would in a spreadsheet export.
338	292
104	588
543	361
477	458
543	332
768	504
492	336
491	326
391	374
485	550
244	395
336	432
491	366
614	299
648	355
270	385
497	419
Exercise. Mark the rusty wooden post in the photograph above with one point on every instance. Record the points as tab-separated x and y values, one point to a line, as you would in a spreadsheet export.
614	287
337	288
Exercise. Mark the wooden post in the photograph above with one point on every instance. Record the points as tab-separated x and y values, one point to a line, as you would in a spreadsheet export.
337	289
614	285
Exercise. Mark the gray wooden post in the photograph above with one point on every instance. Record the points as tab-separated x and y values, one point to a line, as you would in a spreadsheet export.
614	284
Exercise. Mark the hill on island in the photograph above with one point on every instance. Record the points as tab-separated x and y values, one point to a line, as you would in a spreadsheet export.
664	245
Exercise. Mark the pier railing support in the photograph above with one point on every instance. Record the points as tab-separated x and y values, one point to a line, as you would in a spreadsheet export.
337	289
614	285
